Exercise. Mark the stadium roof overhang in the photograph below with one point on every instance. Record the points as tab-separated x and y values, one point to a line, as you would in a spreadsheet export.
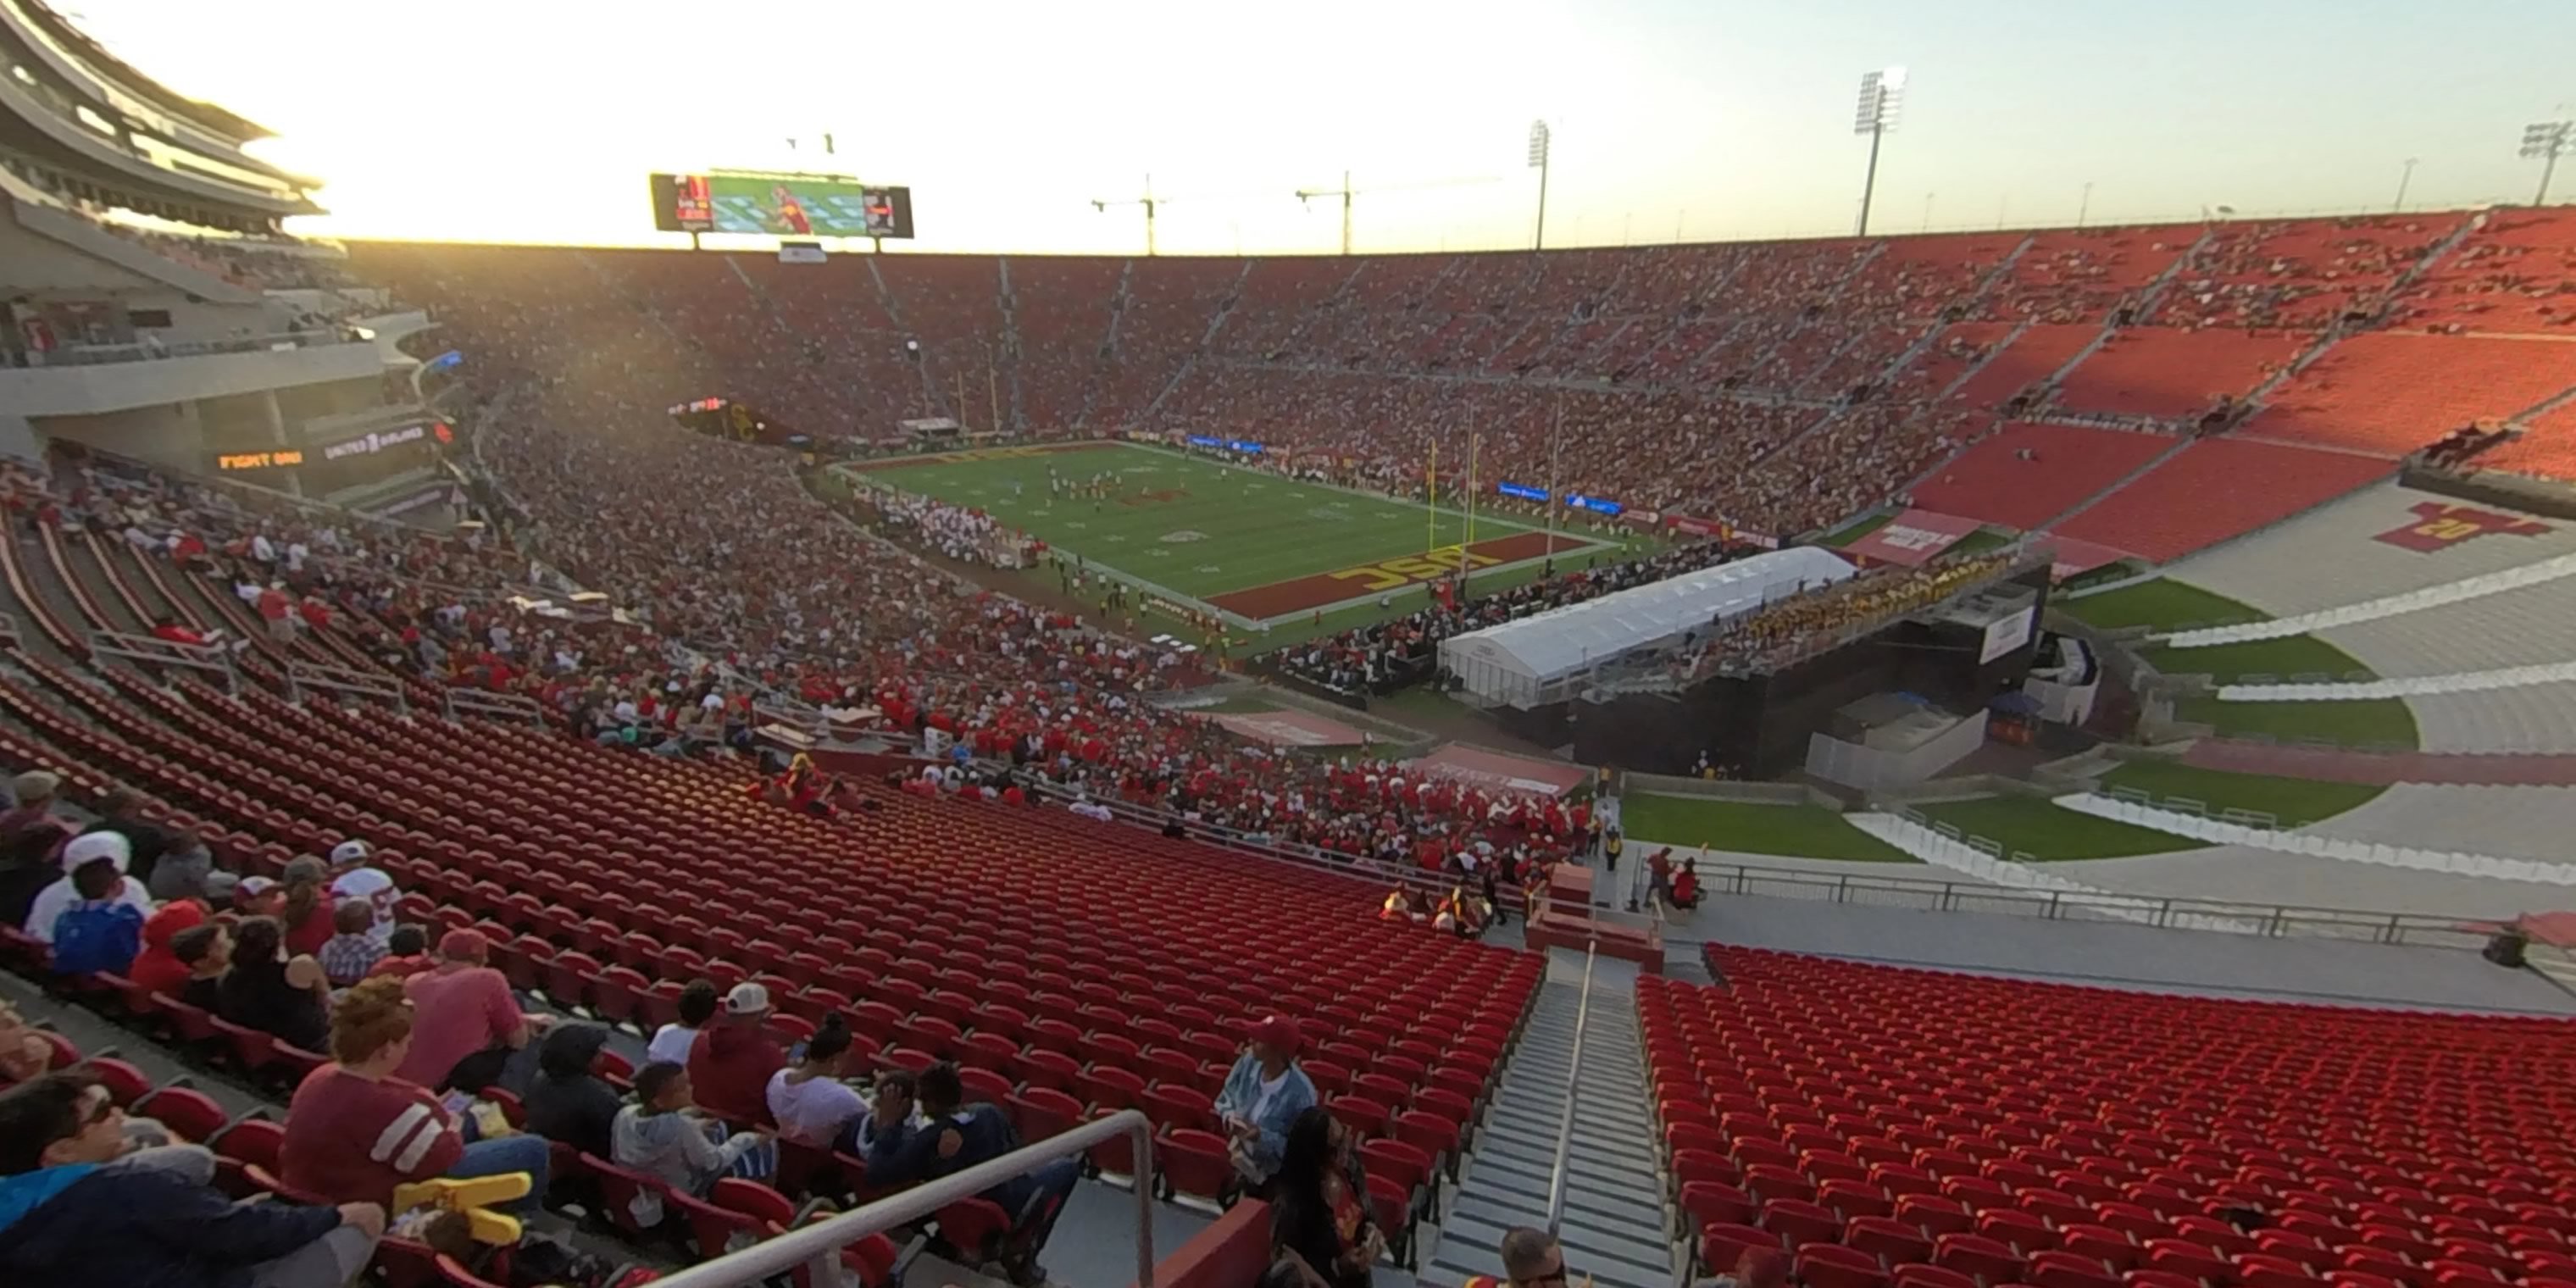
108	66
28	127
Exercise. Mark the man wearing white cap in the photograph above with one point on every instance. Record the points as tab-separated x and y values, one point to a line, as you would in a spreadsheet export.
353	877
85	848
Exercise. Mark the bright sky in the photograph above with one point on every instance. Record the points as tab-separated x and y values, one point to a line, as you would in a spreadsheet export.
537	120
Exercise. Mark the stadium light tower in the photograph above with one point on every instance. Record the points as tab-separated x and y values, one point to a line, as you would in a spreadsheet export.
1538	142
1148	201
2547	140
1882	96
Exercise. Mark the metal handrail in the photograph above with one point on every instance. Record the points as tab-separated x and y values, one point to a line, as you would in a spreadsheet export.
817	1244
1557	1175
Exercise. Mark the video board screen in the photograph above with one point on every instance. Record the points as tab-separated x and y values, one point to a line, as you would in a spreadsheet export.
779	205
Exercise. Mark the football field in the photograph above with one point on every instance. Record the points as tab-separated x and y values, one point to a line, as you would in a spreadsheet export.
1251	545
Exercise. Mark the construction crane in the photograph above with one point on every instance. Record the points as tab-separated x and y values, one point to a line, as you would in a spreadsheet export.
1148	201
1346	192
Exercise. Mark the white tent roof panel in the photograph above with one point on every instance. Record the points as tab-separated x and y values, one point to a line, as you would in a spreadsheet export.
1564	640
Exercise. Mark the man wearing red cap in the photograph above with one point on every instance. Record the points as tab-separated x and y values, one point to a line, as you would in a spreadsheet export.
1263	1094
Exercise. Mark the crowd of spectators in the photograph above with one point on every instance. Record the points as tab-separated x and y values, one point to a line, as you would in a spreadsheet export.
1828	612
1403	650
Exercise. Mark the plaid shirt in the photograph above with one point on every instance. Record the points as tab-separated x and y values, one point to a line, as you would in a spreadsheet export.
346	959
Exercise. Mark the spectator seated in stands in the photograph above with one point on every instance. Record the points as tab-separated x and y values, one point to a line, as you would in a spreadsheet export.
24	1053
157	969
1407	904
352	954
1319	1207
1686	885
675	1041
731	1065
207	951
29	836
569	1101
77	1207
406	953
96	847
145	843
662	1135
467	1021
355	1129
808	1099
1757	1268
953	1136
353	877
268	990
304	907
186	870
1262	1096
98	933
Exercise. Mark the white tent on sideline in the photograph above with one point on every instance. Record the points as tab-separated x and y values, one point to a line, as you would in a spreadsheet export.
1531	662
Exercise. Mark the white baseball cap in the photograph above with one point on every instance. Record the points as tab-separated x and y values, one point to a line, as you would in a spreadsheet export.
350	852
747	999
89	846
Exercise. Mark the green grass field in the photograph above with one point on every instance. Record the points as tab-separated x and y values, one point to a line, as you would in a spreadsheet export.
1798	831
2048	832
2295	801
2370	720
2162	604
1202	529
2281	658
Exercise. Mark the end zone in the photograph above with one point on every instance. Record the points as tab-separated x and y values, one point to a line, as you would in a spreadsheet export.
1351	587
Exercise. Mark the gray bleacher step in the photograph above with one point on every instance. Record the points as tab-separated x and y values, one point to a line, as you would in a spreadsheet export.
1613	1219
1469	1241
1635	1154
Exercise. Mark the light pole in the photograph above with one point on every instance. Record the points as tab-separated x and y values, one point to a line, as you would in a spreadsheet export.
1882	94
2404	177
1927	211
2548	140
2084	204
1538	140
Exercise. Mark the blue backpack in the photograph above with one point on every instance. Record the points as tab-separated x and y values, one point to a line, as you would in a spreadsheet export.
100	935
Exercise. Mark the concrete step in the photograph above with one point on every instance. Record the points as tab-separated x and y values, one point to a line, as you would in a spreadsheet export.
1475	1230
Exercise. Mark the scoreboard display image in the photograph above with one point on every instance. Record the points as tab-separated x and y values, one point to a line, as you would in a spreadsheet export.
779	205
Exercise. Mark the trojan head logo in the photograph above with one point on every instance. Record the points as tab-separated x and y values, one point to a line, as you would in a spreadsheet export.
2440	526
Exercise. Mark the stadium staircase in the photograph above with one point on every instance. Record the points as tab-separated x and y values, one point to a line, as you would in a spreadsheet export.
2151	464
1206	345
894	312
1008	300
1614	1230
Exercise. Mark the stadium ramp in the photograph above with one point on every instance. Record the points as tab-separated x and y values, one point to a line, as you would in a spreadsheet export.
2335	555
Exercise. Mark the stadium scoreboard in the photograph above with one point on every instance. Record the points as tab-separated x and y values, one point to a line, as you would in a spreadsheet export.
762	203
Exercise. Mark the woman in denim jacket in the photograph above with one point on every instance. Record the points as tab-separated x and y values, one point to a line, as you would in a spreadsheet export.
1263	1095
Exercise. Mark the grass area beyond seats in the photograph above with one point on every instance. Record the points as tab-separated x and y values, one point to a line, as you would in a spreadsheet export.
2280	658
2295	801
2162	603
2376	720
2048	832
1796	831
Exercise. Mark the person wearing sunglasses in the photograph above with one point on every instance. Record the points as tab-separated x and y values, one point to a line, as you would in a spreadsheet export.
79	1205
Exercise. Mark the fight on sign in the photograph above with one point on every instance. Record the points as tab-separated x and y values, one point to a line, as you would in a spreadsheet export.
2440	526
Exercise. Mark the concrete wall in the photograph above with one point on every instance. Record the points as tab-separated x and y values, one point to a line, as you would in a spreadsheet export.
68	391
1636	784
34	265
170	434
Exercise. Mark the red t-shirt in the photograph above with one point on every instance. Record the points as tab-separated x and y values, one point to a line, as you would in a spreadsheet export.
272	603
307	936
729	1071
352	1140
454	1015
